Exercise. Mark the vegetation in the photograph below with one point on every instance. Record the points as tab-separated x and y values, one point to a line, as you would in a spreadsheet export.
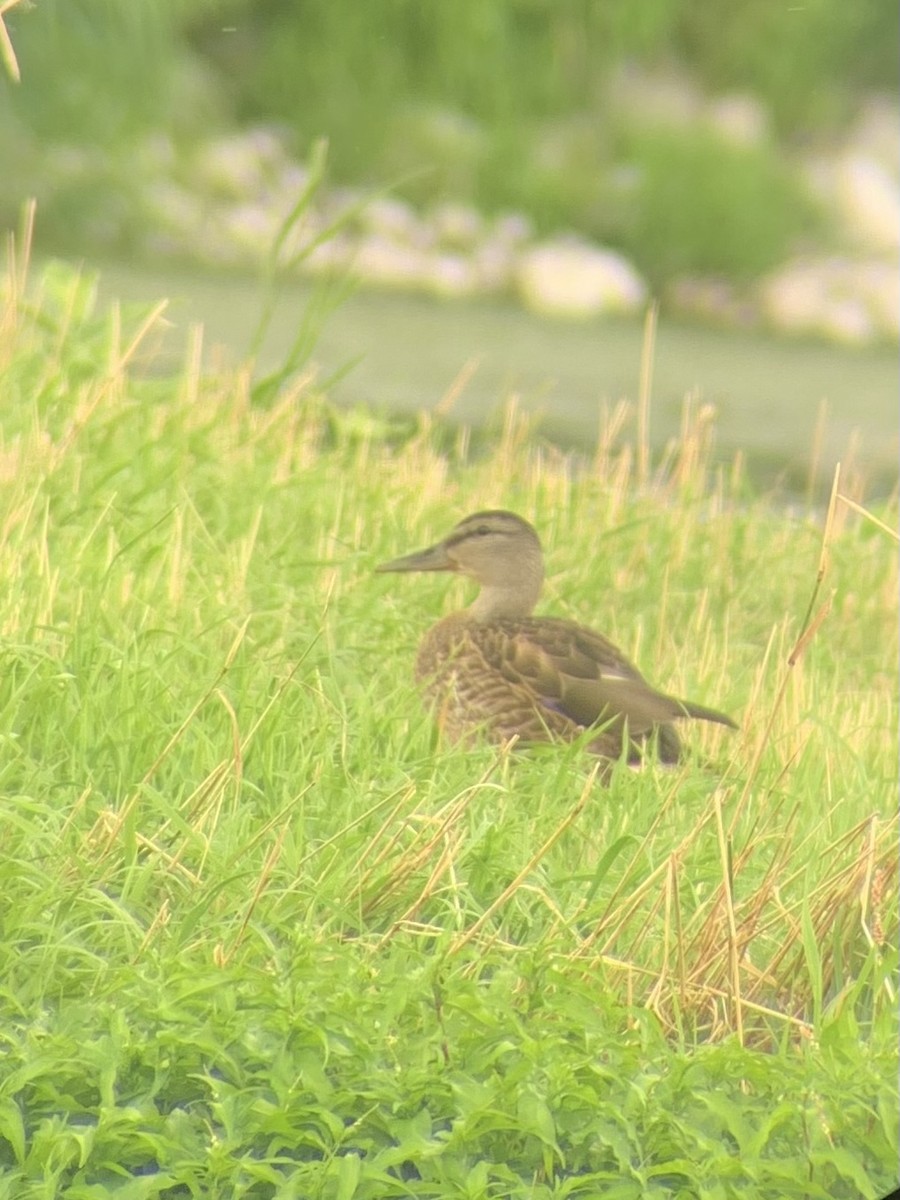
263	937
520	60
502	105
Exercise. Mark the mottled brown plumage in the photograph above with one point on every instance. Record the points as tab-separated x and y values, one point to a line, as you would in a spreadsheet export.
496	670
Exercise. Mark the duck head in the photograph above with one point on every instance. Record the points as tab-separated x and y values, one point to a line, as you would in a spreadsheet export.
498	550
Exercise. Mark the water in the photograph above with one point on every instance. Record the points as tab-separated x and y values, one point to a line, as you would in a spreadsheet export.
407	352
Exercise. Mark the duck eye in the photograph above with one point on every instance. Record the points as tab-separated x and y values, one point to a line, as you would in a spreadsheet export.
482	530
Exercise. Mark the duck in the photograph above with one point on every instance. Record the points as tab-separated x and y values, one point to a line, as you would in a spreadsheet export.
496	671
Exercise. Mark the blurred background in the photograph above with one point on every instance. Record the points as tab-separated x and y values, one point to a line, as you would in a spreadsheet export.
478	169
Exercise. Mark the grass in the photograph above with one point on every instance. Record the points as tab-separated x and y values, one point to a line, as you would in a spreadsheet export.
264	937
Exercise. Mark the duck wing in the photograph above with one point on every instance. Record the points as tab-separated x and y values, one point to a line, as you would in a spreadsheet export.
579	673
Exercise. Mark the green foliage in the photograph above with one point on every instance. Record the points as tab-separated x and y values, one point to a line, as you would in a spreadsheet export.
96	71
504	105
518	60
700	204
254	938
802	59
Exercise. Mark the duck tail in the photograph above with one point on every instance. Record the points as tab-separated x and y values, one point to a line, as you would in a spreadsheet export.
701	713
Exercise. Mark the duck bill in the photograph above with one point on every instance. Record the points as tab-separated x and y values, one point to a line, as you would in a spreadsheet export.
435	558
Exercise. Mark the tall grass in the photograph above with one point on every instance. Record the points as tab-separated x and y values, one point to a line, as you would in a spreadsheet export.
264	936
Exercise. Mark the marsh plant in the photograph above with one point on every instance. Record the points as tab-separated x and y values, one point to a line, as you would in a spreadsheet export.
265	936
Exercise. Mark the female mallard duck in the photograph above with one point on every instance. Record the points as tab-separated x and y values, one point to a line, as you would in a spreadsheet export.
495	669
